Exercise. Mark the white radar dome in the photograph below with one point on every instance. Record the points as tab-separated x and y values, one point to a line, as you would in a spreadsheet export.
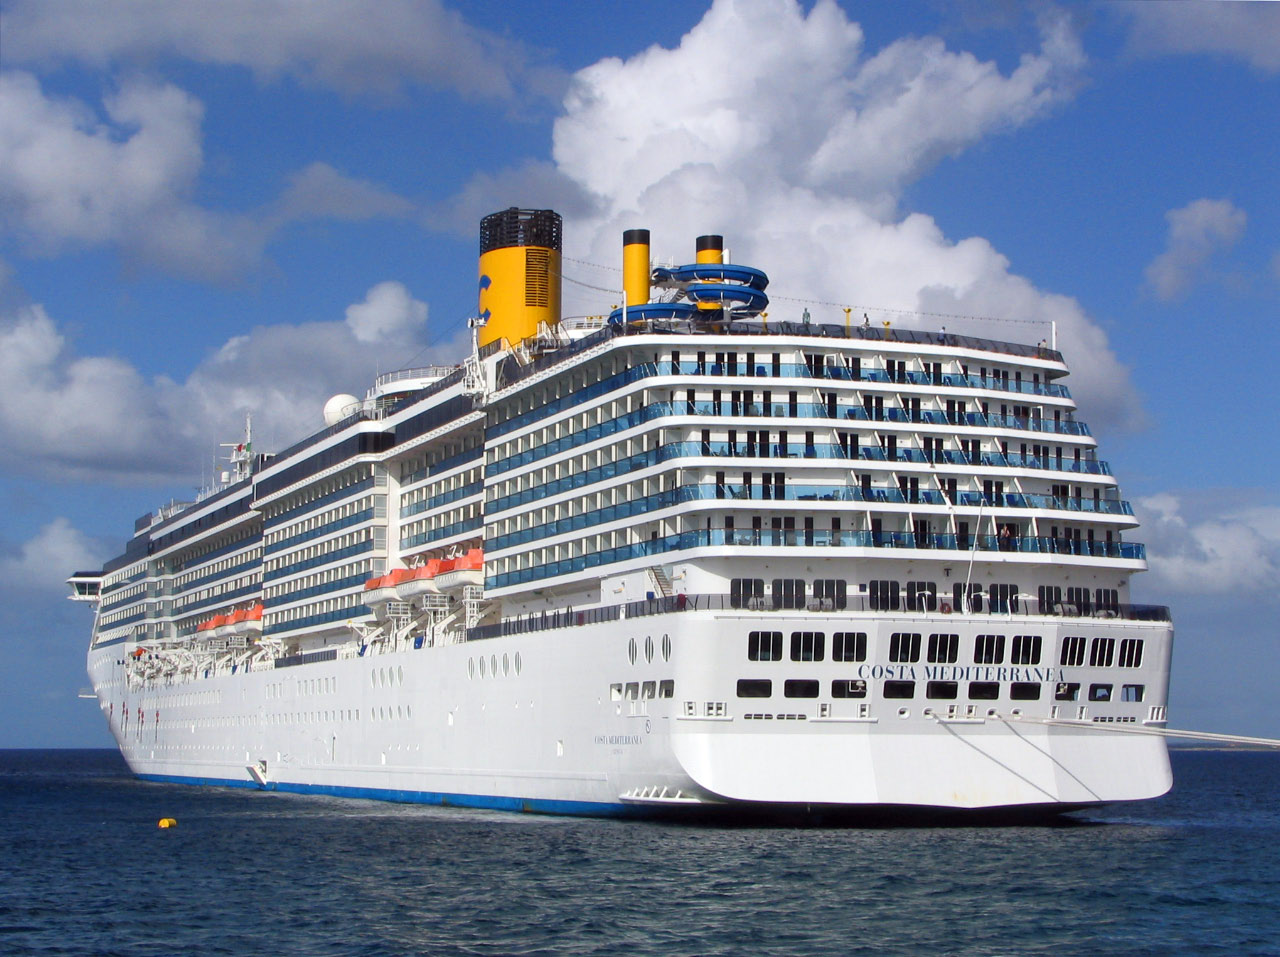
337	408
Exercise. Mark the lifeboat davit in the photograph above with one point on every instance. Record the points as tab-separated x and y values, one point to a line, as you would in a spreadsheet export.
421	581
467	569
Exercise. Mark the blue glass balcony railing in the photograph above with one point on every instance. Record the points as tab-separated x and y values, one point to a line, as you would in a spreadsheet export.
791	538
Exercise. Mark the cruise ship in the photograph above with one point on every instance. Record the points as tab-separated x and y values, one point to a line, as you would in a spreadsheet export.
682	559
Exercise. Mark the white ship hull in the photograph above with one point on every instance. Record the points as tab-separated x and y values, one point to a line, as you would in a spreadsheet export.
423	725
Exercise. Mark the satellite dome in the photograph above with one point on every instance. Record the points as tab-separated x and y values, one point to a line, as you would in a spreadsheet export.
338	408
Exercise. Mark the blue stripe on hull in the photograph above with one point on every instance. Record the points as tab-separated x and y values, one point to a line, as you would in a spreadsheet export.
487	801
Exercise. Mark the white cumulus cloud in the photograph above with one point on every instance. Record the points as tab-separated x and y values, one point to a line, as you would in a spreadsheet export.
70	417
1236	550
45	560
776	128
388	310
369	48
1196	231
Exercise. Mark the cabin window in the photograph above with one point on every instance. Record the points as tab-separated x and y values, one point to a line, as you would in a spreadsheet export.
743	590
1131	653
1132	692
988	650
849	646
883	595
1025	650
1072	655
1025	691
941	690
788	593
808	645
1067	691
1100	692
831	593
1102	652
764	646
944	649
984	690
755	688
904	646
922	596
899	689
800	688
850	688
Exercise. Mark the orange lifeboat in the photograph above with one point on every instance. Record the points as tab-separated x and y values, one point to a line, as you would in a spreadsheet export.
252	622
421	581
466	569
379	591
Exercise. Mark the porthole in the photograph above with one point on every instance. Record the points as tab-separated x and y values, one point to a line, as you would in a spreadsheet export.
631	650
373	678
666	647
904	712
517	662
648	647
399	674
506	663
493	665
482	666
471	668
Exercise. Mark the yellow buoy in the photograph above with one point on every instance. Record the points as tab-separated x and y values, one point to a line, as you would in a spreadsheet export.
168	822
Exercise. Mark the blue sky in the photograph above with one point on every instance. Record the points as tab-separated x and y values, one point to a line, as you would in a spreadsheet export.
250	206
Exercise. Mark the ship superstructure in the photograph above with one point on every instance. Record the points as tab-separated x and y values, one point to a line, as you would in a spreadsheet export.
682	557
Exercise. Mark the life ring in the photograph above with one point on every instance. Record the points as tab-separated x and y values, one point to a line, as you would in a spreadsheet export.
946	607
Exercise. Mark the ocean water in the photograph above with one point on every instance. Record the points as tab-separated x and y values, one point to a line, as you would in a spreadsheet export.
84	870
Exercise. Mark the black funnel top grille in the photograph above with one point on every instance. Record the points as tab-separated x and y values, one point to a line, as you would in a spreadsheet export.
520	227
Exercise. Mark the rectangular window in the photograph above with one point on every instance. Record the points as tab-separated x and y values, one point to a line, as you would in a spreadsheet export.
899	689
755	688
1072	651
649	689
851	688
941	690
849	646
1025	650
800	688
1107	599
1131	653
1080	601
984	690
922	596
743	590
904	646
666	688
764	646
1050	597
988	650
884	595
808	645
1067	691
1004	598
831	593
1099	692
788	593
958	590
944	649
1132	692
1102	652
1025	691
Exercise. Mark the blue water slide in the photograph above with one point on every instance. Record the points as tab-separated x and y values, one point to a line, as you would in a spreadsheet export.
747	301
655	310
713	272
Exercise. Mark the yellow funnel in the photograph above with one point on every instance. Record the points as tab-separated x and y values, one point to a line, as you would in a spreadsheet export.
519	273
635	266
